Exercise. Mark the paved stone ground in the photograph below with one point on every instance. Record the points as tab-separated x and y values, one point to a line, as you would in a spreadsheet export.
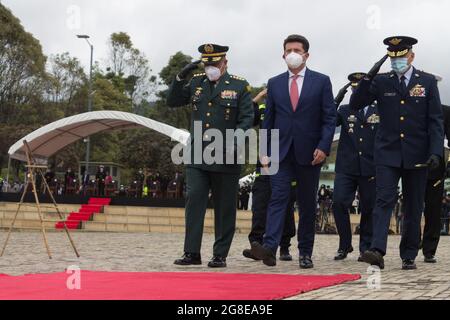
156	252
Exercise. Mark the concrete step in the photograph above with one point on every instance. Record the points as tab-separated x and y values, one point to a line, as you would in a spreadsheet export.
96	226
32	215
175	221
7	206
27	224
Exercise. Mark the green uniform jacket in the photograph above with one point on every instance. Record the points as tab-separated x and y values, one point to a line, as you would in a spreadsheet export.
226	106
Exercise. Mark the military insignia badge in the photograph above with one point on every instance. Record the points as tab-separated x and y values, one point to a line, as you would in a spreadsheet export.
198	91
229	95
350	130
373	119
209	48
352	119
395	41
417	91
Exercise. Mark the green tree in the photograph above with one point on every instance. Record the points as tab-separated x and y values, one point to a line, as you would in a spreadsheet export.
22	77
130	68
179	117
67	84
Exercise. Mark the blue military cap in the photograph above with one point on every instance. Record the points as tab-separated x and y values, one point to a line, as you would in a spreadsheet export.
356	77
399	46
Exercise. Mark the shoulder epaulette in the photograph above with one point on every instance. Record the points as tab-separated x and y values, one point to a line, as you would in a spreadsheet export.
426	73
237	78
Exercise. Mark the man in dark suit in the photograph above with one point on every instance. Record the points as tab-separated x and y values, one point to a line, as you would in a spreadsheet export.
355	170
410	139
433	201
300	105
261	198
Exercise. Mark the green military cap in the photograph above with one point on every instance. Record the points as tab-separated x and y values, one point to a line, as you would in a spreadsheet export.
399	46
212	53
356	77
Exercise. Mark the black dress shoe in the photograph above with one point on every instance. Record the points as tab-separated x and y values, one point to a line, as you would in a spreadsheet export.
342	254
408	264
360	259
285	256
189	259
218	262
264	254
248	254
430	259
374	258
306	262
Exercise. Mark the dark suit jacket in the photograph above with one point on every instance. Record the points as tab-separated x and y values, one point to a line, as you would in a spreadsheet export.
313	123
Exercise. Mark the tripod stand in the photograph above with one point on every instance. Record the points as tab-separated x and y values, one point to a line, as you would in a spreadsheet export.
33	170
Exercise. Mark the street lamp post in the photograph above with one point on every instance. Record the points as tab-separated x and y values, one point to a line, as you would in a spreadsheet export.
88	140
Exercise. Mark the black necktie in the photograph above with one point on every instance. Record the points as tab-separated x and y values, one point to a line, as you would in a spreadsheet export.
362	113
403	85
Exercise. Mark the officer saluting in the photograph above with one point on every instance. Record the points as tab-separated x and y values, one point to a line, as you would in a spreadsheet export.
355	170
410	139
219	101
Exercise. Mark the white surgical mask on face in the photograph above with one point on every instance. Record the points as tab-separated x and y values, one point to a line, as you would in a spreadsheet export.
294	60
213	73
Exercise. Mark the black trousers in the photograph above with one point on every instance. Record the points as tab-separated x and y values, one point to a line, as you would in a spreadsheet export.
260	201
101	189
432	212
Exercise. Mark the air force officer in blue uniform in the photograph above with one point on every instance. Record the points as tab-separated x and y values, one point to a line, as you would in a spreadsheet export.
355	170
410	140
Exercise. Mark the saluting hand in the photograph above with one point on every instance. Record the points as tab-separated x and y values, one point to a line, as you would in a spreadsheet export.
260	96
341	94
376	68
188	68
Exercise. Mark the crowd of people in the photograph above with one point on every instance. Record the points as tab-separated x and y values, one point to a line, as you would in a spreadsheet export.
148	185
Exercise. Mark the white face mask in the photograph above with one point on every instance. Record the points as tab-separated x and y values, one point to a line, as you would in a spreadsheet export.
213	73
294	60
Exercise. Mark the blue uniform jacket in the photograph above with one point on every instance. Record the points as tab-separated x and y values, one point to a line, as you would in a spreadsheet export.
411	125
356	142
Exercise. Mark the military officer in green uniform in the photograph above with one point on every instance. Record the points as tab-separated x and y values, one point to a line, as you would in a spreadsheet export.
219	101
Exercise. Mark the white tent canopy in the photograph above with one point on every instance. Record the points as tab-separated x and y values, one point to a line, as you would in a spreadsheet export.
48	140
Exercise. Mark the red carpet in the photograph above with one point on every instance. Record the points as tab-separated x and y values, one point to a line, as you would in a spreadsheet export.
95	205
164	286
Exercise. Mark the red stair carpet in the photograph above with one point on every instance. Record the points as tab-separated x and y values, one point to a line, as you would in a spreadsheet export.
163	286
95	205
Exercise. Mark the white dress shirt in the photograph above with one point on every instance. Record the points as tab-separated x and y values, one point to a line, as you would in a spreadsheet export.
300	80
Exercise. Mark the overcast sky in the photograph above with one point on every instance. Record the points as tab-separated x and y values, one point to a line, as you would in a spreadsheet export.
345	36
